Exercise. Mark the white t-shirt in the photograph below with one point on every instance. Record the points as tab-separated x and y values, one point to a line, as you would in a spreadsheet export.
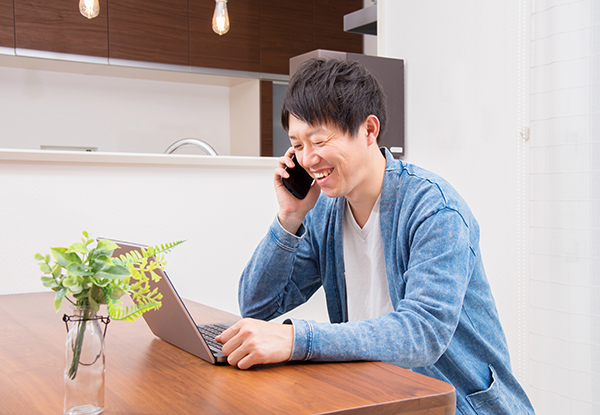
367	290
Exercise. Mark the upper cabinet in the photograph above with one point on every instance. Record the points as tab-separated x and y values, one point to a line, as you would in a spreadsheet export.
238	49
264	34
289	28
7	24
57	26
286	30
329	26
152	31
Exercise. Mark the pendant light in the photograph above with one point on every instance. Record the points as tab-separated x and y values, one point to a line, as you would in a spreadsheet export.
220	21
89	8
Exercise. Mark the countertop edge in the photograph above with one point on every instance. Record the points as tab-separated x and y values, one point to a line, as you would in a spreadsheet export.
152	159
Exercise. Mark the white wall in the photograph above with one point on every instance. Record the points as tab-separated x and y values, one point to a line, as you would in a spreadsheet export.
222	212
462	120
565	208
244	117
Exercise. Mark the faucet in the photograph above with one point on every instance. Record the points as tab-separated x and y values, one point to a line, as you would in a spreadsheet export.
191	141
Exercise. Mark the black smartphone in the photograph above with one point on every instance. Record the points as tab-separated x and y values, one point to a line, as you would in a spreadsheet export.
299	181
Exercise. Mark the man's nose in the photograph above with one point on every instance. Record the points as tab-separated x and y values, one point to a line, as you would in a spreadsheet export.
310	158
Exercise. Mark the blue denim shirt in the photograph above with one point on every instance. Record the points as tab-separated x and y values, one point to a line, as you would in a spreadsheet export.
445	324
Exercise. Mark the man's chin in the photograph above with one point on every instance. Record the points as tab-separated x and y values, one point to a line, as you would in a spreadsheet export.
331	193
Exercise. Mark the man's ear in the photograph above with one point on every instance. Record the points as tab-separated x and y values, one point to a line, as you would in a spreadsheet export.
371	126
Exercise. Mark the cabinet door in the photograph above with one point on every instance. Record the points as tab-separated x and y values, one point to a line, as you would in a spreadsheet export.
57	26
286	30
329	26
152	31
238	49
7	24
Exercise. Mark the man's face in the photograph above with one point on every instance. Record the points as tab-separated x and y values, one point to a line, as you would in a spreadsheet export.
337	161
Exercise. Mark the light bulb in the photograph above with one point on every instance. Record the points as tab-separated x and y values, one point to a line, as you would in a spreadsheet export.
89	8
220	21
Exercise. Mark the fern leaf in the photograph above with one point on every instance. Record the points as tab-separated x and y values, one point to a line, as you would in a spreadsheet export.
132	312
137	256
117	311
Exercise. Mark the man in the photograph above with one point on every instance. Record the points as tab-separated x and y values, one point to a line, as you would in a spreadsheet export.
394	246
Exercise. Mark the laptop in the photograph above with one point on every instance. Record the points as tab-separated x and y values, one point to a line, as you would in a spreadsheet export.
173	323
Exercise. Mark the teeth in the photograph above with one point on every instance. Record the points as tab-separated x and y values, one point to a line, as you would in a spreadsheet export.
323	174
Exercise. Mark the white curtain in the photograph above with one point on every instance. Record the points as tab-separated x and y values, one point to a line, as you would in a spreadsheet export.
564	202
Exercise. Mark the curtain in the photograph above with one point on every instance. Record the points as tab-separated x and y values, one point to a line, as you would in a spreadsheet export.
564	206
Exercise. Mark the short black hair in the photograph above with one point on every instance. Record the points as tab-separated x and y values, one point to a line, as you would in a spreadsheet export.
336	92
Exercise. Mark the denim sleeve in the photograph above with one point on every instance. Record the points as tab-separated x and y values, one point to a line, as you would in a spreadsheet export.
280	276
426	315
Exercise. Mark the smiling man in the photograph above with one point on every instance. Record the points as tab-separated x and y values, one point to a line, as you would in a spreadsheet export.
395	248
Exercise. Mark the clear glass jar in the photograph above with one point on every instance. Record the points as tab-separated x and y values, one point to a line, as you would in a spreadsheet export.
84	364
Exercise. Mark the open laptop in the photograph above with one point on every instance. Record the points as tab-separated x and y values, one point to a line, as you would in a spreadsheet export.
173	323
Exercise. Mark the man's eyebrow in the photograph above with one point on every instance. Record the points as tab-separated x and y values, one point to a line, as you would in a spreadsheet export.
311	132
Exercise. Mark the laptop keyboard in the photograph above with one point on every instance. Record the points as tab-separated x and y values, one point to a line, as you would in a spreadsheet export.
209	332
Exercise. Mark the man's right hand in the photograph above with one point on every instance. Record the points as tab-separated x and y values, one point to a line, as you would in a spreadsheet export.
292	210
250	342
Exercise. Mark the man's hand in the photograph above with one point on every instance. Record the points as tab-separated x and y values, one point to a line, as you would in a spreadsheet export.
250	342
291	210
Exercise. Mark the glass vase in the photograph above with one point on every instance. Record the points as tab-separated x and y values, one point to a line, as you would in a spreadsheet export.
84	364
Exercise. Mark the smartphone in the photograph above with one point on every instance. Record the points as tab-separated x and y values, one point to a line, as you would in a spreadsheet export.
299	181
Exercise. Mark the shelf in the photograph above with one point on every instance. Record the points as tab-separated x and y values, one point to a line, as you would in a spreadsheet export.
91	65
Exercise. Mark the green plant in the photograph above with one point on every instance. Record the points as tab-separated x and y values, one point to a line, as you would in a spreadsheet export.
92	276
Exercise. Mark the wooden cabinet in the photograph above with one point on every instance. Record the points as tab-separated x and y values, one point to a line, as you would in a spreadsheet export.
238	49
7	24
57	26
152	31
266	118
286	30
264	34
329	26
289	28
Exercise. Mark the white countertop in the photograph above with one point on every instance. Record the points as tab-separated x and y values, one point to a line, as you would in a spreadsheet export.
76	157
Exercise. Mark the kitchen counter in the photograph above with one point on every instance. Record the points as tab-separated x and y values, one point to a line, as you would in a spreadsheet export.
221	205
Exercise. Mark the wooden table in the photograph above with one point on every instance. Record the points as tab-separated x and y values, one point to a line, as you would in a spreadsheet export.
145	375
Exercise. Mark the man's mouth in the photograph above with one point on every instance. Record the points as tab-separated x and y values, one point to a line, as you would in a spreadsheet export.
322	174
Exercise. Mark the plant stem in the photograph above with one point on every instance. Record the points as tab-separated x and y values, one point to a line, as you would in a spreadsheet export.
81	324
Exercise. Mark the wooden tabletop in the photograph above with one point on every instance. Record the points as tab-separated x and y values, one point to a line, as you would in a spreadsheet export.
145	375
